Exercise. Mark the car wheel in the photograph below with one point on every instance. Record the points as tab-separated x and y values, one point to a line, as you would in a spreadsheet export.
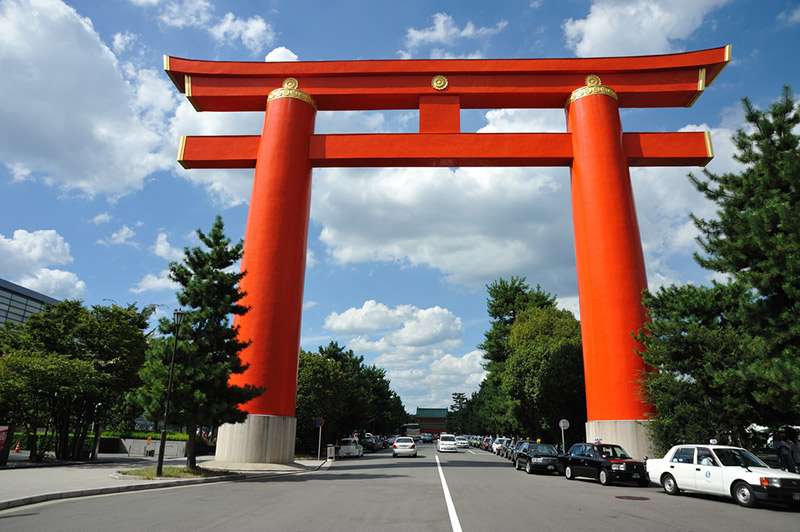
529	468
670	486
568	473
605	477
744	495
394	455
516	465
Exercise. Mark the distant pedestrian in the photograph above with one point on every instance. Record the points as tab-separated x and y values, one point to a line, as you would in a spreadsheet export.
796	454
784	452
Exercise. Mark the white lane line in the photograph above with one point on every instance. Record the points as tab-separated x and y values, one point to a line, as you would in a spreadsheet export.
451	510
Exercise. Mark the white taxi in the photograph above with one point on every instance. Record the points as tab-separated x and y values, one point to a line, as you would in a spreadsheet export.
726	471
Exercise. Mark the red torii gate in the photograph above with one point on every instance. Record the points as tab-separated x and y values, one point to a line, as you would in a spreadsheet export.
610	264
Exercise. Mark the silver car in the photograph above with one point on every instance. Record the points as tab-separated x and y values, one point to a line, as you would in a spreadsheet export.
404	446
447	443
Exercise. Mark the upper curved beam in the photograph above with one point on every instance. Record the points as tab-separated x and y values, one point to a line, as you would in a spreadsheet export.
673	80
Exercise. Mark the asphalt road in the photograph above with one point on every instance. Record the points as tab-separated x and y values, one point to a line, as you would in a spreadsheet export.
377	493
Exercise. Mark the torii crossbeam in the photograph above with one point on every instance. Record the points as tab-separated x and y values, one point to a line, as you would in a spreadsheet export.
610	264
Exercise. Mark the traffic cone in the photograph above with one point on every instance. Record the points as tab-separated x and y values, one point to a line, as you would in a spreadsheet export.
16	449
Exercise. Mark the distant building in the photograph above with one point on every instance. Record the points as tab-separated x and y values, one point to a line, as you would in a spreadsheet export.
432	420
18	302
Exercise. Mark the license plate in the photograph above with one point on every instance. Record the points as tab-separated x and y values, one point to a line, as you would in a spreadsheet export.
636	475
796	496
550	467
347	454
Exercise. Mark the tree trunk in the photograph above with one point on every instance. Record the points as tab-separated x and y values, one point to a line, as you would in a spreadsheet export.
191	448
97	432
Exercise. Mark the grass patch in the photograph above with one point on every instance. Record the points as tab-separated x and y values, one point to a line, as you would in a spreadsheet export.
149	473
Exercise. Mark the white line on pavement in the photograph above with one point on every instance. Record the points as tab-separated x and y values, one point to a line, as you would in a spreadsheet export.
451	510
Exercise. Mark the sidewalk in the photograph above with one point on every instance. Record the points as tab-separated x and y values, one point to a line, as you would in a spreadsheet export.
23	483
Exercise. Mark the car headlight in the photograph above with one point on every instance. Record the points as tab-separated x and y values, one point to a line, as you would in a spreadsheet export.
770	482
619	467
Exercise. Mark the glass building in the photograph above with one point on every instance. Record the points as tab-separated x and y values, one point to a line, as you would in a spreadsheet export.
18	302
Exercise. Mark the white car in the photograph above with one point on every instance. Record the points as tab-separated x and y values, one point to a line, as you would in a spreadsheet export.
404	446
496	444
349	447
726	471
462	442
446	443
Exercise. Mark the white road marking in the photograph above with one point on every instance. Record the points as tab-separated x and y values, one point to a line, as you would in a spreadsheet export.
451	510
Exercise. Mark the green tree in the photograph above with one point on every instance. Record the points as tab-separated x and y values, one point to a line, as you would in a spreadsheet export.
208	347
544	372
321	388
735	348
77	363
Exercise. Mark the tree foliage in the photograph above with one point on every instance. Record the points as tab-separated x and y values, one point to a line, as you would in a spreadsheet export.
336	385
67	367
728	356
534	364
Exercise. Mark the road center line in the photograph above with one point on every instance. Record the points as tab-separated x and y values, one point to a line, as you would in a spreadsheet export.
451	510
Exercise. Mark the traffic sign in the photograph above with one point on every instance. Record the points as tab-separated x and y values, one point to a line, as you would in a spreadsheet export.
319	421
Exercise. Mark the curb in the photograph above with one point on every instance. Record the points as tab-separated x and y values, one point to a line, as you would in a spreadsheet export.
156	484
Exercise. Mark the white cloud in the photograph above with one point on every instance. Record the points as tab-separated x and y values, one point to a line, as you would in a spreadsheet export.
444	31
101	218
636	27
24	258
281	53
162	249
155	283
121	236
790	17
29	251
123	41
254	33
19	171
94	107
55	283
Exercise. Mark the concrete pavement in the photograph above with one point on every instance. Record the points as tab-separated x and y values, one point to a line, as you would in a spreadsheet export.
23	483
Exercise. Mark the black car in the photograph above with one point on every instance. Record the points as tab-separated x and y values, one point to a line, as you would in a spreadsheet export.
370	444
603	461
517	446
537	457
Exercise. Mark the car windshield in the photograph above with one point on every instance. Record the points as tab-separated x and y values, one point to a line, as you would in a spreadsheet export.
348	442
738	457
404	440
612	451
448	438
543	449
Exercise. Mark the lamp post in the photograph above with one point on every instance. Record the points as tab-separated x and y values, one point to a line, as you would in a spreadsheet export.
178	318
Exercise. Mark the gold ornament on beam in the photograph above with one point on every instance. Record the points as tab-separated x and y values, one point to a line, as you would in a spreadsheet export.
439	82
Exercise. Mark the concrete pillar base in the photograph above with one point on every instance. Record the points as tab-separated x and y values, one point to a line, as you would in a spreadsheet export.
630	433
259	440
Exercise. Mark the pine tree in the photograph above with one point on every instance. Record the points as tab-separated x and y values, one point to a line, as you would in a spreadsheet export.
729	355
208	348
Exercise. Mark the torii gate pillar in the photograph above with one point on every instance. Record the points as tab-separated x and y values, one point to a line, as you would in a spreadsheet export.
274	258
610	266
611	272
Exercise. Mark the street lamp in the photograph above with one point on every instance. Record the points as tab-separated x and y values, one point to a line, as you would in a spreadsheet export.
178	318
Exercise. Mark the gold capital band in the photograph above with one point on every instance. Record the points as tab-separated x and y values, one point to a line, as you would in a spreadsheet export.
593	86
292	93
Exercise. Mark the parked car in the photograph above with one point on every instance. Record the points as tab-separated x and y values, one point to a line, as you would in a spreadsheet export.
506	448
446	443
486	444
517	446
350	447
462	442
496	444
537	457
603	461
724	470
404	446
370	444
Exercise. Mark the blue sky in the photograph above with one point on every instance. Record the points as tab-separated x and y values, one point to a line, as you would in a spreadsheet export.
93	204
